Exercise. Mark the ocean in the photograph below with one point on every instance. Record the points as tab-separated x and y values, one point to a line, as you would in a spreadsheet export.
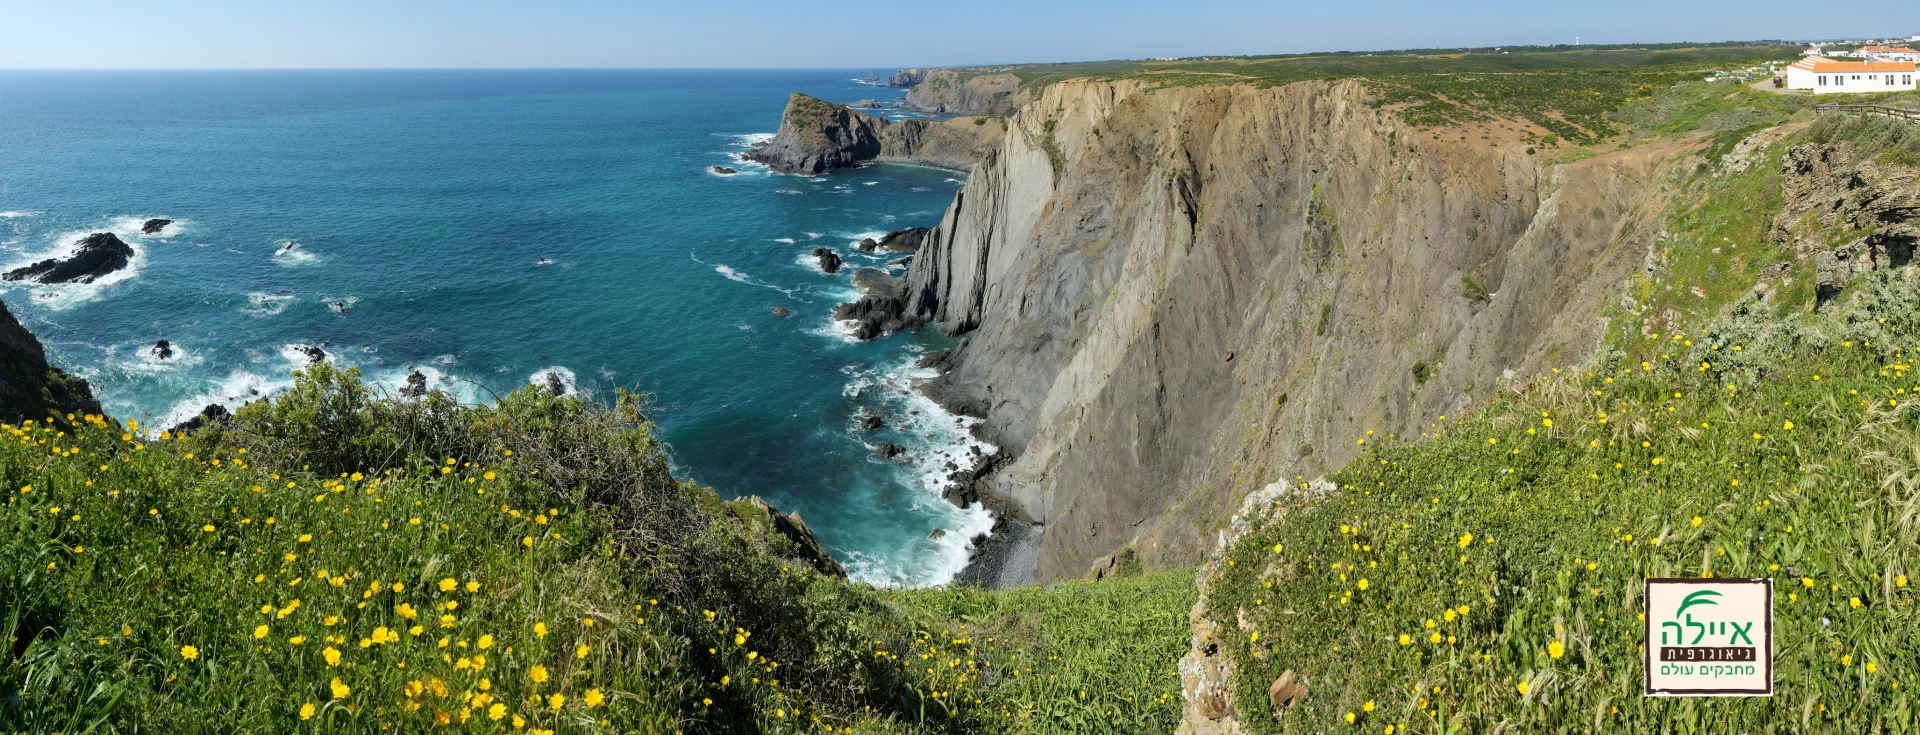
489	229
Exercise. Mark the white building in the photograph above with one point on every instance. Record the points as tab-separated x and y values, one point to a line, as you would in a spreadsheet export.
1825	76
1889	53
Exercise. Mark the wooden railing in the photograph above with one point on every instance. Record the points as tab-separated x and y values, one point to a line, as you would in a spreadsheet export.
1899	112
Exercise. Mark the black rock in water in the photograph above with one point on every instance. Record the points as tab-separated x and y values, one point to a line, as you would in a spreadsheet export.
213	415
416	385
314	354
868	244
724	171
339	307
889	450
163	350
829	260
554	385
154	225
872	423
904	241
99	254
781	311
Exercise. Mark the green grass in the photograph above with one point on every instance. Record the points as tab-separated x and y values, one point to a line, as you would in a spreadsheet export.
459	567
1072	657
1532	521
1571	92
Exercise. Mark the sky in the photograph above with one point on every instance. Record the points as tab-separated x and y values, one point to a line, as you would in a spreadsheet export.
167	34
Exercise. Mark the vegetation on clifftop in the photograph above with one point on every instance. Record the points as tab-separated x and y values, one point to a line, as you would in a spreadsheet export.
337	561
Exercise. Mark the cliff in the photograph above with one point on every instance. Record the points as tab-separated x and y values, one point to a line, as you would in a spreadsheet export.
907	77
1173	296
817	136
960	92
29	387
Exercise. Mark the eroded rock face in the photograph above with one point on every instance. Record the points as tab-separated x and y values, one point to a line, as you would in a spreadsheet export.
907	77
1834	187
964	92
97	255
1320	241
816	136
29	387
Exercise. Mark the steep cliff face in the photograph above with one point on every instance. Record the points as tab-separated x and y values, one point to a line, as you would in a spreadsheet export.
906	77
1175	296
1835	188
29	387
961	92
816	136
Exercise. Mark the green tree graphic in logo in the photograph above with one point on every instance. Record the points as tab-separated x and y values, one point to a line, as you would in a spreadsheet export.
1685	623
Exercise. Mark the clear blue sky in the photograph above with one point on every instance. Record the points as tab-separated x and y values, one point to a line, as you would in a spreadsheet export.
756	33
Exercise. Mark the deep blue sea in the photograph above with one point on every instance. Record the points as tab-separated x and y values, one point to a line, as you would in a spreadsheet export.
487	228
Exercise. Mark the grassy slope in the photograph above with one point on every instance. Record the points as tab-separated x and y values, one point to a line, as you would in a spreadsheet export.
1761	439
481	562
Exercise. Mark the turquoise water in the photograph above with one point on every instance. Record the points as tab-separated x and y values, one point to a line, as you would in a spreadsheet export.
426	201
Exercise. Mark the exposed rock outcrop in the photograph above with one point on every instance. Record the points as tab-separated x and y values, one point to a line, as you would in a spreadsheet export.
882	308
790	527
97	255
29	387
213	415
968	92
907	77
162	350
154	226
1833	187
816	136
1318	239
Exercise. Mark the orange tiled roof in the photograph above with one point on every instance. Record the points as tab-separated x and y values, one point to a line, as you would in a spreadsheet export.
1887	50
1829	66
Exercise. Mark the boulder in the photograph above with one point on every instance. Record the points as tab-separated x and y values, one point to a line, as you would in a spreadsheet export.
163	350
154	225
904	241
868	244
780	311
99	254
315	355
724	171
555	385
889	450
872	423
213	415
829	261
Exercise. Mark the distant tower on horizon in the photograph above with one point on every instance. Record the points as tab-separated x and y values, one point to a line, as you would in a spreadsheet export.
1576	40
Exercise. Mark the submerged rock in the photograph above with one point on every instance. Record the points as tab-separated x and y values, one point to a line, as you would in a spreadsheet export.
154	225
781	311
99	254
724	171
